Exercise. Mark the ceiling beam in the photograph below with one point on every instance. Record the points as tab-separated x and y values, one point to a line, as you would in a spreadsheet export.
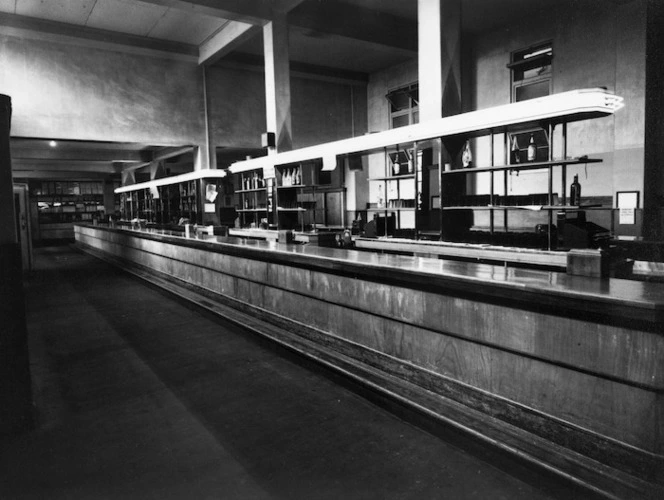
360	23
19	167
230	37
252	62
158	155
286	5
57	174
246	19
75	155
247	11
165	153
56	31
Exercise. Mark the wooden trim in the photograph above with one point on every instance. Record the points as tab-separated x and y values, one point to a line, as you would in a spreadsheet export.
572	296
578	455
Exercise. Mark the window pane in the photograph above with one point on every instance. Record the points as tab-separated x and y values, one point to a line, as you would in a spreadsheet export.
399	121
532	63
539	71
415	95
399	100
416	116
531	91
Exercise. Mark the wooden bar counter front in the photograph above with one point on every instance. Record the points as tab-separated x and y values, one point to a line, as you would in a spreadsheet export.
564	371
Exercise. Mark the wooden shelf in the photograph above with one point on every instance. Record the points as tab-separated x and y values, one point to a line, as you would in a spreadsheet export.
392	177
393	209
534	208
257	190
524	166
252	210
292	186
298	209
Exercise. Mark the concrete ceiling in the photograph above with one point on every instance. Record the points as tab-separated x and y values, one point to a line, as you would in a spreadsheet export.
79	160
43	158
122	16
347	35
333	38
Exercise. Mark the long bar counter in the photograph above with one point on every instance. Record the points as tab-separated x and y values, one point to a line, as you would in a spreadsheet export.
563	370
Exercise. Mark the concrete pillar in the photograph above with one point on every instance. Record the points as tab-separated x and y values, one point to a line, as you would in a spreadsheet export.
277	82
7	216
210	150
156	170
439	58
15	391
653	190
128	177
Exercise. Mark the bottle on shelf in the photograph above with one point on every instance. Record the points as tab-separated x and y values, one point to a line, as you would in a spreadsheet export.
515	157
532	149
396	166
467	156
575	192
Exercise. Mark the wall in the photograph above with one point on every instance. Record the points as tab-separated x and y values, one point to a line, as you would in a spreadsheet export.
321	111
237	109
380	83
67	91
595	45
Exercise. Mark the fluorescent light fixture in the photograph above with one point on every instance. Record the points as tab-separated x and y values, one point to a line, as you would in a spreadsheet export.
329	162
563	107
209	173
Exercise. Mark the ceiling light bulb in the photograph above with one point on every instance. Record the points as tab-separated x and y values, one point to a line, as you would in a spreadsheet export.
52	144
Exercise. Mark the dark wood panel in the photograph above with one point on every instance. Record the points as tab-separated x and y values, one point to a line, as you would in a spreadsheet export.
606	301
456	403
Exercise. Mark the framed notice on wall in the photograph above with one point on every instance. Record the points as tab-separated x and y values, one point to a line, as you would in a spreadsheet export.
627	202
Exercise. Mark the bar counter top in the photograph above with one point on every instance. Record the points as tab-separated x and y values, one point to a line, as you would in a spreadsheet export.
596	299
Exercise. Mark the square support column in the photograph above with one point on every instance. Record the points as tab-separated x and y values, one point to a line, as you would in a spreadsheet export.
439	58
277	82
15	389
653	190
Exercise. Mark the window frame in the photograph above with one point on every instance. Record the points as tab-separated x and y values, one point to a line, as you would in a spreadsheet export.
526	59
412	91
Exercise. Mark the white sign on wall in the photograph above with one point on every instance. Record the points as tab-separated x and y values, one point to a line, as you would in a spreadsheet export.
627	202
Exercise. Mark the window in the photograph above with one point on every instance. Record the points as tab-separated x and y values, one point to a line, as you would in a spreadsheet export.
531	72
404	106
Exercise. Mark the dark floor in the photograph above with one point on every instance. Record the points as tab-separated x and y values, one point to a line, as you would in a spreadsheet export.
139	396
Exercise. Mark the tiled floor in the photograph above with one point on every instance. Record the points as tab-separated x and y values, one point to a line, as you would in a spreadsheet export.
139	396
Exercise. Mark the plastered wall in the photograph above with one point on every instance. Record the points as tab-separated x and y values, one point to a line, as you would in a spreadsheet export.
594	45
320	111
65	91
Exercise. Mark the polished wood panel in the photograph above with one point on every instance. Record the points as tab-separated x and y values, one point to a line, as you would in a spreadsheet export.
594	387
611	300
